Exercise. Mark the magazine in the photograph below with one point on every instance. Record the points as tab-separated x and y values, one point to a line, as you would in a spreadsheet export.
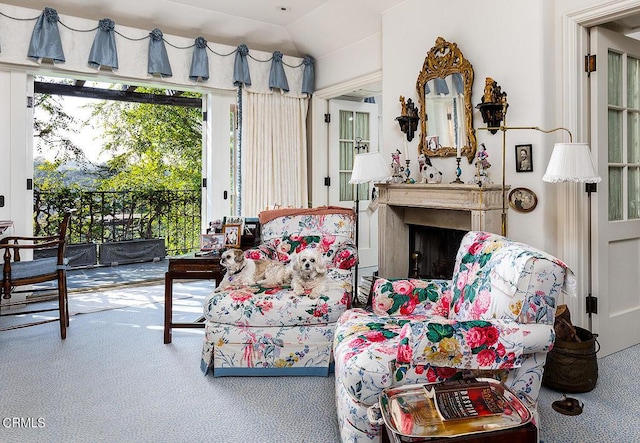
462	399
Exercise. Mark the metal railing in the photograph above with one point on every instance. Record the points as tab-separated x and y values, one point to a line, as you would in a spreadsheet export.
110	216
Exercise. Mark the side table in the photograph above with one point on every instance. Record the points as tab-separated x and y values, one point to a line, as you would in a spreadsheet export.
194	268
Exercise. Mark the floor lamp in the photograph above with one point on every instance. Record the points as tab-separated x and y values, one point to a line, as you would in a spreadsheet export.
367	167
572	162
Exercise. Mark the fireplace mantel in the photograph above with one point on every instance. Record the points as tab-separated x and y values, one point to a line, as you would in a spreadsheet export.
463	207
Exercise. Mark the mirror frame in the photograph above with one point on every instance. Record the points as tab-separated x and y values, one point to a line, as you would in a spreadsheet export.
442	60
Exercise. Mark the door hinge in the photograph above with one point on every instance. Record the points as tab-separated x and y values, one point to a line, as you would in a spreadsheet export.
29	102
592	304
204	182
327	181
327	118
589	63
204	116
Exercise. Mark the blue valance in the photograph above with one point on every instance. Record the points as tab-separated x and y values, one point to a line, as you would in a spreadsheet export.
199	61
308	76
103	51
45	39
241	75
158	59
97	48
277	76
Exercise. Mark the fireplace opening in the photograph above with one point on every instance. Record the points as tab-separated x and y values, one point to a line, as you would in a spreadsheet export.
432	251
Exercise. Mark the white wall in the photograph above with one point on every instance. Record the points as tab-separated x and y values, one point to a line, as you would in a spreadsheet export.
516	43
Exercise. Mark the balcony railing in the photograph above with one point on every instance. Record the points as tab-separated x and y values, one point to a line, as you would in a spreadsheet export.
112	216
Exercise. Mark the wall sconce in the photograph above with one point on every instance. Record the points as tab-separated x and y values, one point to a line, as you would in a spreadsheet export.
493	107
409	118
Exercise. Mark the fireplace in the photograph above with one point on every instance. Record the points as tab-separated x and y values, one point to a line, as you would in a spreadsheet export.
403	207
433	251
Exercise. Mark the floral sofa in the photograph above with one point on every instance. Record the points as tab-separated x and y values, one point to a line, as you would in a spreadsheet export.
255	330
493	319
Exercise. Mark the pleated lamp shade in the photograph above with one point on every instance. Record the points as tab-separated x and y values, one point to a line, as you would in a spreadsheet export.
369	167
571	162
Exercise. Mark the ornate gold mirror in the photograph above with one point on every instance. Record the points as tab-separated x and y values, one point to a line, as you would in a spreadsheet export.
444	95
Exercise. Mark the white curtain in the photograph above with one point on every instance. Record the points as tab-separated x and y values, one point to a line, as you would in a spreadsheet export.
274	152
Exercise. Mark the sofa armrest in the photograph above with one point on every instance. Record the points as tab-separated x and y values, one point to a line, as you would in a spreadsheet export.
261	252
468	344
346	256
398	297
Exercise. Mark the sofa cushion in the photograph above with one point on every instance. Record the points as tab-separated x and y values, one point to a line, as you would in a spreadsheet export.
411	297
261	306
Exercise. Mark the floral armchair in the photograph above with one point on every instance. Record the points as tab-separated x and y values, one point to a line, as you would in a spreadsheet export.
493	319
255	330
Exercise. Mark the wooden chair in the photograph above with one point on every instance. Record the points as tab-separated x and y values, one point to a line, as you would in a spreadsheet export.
21	273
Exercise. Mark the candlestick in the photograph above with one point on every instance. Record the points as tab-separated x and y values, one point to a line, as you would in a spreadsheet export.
458	173
407	172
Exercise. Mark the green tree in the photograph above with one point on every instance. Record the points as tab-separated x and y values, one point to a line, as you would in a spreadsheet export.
152	146
53	126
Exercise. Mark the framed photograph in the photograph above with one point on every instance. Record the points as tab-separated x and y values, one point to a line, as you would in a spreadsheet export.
432	143
211	242
252	226
523	199
232	235
234	221
524	159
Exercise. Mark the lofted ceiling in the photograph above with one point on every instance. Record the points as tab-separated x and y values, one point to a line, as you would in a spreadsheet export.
294	27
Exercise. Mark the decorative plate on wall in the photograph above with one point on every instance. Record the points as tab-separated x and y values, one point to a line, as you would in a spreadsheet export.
523	199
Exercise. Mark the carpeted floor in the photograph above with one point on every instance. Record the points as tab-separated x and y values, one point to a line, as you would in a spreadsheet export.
114	380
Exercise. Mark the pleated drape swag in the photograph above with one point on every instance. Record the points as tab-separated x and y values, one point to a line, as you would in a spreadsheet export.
199	61
158	63
274	151
45	38
309	76
241	74
277	76
103	51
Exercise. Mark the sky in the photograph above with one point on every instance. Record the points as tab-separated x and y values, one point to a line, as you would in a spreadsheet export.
89	139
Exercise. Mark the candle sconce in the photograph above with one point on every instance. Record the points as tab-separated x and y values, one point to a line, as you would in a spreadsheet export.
409	118
493	107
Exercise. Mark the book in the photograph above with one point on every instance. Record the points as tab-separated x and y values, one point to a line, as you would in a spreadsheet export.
463	399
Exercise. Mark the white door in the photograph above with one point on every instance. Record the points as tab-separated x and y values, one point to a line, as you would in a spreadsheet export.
353	124
219	157
615	141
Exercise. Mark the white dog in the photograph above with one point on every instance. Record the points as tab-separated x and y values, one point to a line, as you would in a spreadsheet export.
242	271
309	273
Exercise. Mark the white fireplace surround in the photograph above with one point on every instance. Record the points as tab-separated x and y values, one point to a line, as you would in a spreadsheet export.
450	206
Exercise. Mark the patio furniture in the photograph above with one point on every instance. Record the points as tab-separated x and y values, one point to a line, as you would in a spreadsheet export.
18	273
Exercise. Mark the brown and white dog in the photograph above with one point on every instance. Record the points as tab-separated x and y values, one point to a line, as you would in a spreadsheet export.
309	273
242	271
